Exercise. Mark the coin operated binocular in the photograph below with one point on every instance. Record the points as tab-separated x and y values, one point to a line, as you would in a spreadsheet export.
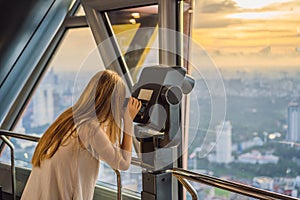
160	89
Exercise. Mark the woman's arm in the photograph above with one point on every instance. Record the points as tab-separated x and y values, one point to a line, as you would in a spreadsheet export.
132	109
94	139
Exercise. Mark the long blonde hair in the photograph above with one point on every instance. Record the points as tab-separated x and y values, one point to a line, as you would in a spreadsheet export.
104	89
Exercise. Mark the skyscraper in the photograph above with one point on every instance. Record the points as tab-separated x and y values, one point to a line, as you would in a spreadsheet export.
43	101
293	134
43	106
224	143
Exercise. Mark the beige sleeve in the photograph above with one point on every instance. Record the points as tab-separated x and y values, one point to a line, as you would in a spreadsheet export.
94	139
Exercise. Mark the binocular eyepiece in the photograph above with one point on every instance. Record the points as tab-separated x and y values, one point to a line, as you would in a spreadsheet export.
160	85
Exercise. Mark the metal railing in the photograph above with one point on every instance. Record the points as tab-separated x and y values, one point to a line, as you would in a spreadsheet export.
181	175
4	134
247	190
231	186
19	135
12	160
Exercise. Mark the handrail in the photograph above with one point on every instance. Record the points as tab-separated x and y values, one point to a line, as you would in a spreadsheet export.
188	187
12	160
231	186
246	190
119	183
182	174
19	135
5	133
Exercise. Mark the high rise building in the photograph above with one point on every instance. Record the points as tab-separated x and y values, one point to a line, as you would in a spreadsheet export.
43	101
43	107
293	133
224	143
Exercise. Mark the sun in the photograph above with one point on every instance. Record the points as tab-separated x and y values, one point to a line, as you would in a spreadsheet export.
257	4
253	9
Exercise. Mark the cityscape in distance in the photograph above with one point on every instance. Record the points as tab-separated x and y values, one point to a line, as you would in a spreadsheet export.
258	141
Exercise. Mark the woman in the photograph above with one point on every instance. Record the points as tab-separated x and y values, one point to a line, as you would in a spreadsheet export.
66	159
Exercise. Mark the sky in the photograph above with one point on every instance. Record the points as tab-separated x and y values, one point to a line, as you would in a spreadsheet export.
75	50
249	33
243	34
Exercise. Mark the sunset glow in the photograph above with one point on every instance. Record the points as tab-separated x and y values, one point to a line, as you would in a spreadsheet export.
254	33
254	4
259	15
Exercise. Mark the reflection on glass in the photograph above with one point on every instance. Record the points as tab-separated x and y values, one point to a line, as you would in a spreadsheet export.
254	46
136	33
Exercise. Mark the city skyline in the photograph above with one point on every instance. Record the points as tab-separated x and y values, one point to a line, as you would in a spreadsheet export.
254	47
241	148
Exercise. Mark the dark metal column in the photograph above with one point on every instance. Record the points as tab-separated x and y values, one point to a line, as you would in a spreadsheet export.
167	21
106	41
169	55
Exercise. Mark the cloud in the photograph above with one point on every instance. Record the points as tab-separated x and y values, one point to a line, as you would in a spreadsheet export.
273	39
287	5
212	13
209	6
214	22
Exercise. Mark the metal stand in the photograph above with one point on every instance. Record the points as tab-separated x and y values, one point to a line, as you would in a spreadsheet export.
160	150
157	186
159	130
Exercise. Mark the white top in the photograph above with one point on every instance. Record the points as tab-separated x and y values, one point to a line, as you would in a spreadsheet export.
72	171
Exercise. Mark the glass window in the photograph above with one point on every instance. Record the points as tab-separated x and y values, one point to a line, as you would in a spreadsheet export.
255	48
136	32
74	59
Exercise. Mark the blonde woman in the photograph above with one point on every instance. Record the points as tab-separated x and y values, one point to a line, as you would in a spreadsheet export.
66	159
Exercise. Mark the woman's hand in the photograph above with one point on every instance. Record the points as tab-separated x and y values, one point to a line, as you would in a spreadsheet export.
132	108
131	111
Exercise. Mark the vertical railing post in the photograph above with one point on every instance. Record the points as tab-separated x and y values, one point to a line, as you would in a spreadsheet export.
12	160
0	192
119	184
188	187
